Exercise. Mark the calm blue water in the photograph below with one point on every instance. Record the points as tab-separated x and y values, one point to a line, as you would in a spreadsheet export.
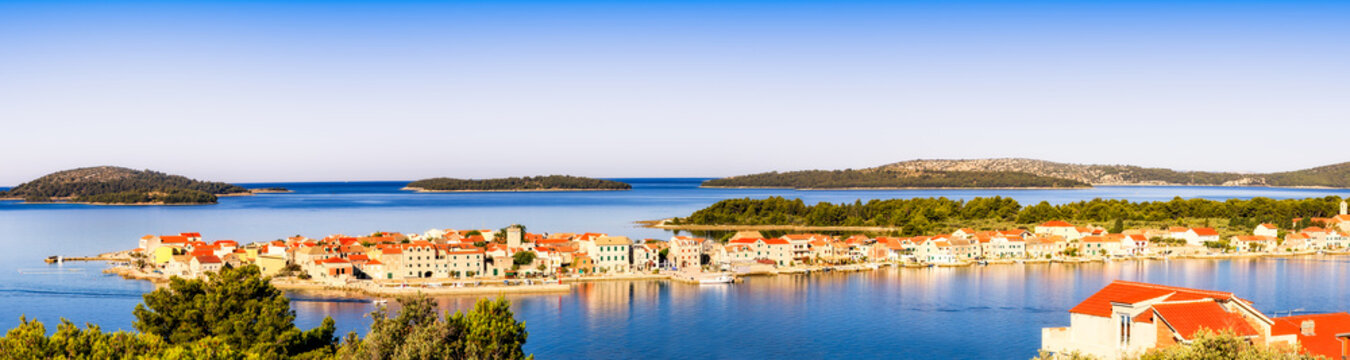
927	313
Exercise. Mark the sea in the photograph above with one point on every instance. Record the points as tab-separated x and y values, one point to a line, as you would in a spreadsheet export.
985	312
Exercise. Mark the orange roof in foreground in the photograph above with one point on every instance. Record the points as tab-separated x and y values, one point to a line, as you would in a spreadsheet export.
1326	327
1129	292
1187	318
1056	223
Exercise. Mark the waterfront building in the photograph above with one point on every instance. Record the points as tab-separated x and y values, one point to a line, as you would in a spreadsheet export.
1255	243
1005	245
1100	246
801	245
465	262
935	251
1045	246
1336	240
1198	236
610	253
1060	228
775	250
1266	230
685	252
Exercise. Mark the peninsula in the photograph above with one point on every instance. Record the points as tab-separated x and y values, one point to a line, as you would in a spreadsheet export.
1027	173
536	183
110	185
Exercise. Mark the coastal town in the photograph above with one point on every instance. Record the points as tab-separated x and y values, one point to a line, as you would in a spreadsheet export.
511	256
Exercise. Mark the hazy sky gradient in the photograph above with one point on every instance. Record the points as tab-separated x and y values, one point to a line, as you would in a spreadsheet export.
361	90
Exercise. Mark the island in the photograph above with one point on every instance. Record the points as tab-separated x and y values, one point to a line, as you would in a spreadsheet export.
1027	173
111	185
271	190
536	183
931	216
892	179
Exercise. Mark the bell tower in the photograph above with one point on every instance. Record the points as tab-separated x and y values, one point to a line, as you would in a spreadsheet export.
1343	207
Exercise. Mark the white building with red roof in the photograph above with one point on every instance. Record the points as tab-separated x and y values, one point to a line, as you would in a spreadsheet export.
1059	228
777	250
1127	318
1266	230
1198	236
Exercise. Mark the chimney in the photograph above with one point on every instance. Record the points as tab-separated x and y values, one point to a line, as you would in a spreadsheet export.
1307	328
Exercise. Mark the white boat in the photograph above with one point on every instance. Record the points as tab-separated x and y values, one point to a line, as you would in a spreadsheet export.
379	301
717	279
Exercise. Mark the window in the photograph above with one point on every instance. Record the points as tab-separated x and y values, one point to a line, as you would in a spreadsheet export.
1124	330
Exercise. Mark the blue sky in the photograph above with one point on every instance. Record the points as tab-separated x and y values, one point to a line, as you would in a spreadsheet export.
361	90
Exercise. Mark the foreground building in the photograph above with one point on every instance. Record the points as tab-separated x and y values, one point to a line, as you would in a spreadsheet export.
1126	319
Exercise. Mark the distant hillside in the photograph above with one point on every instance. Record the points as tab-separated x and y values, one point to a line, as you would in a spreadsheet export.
536	183
1337	175
873	178
1009	172
117	185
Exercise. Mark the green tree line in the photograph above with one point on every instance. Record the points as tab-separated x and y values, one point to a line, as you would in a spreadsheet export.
922	215
550	182
238	314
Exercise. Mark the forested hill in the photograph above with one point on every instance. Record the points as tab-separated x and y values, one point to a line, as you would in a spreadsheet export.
1336	175
536	183
1011	172
117	185
920	216
845	179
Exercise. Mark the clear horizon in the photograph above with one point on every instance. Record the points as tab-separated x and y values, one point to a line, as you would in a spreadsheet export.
283	91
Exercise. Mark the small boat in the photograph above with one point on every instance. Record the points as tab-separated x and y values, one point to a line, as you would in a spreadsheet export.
718	279
379	301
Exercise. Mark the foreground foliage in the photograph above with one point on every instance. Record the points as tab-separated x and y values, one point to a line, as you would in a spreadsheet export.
238	314
922	215
1207	345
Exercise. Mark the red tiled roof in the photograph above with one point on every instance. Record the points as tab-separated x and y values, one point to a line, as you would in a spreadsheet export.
1186	318
207	259
172	239
1056	223
1129	292
391	250
1205	231
333	260
191	234
1324	340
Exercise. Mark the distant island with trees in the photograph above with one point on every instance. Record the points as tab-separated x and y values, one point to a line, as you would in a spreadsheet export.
1027	173
882	179
113	185
535	183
